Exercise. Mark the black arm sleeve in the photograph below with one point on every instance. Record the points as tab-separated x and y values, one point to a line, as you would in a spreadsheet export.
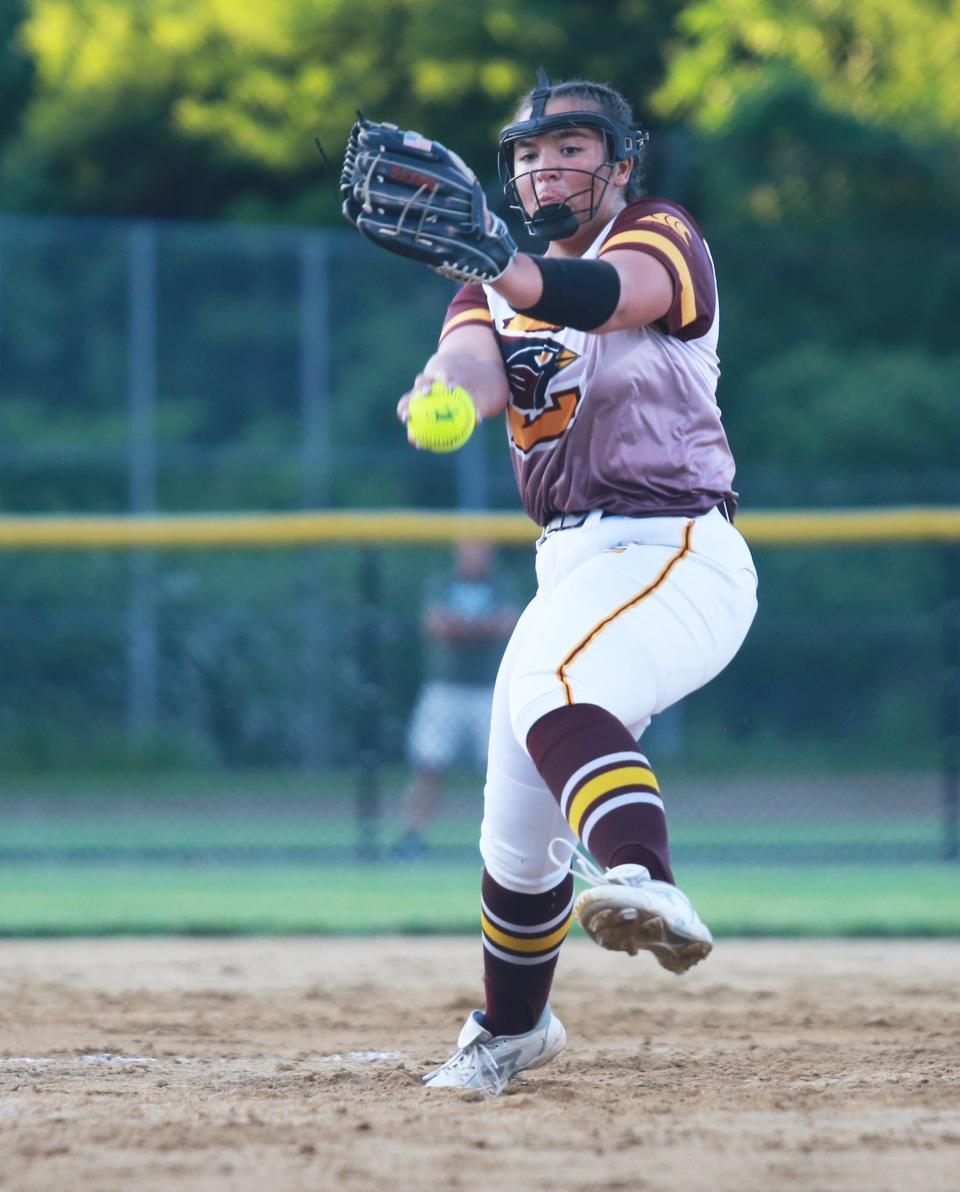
579	294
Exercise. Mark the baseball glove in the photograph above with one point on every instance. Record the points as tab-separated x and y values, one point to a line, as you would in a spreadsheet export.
416	198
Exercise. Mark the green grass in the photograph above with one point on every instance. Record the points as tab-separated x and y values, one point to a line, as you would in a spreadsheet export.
798	900
172	829
201	821
215	811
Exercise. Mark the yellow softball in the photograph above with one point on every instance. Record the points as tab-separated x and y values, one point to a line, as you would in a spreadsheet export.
441	419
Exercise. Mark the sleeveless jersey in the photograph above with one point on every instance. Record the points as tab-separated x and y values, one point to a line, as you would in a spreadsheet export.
626	421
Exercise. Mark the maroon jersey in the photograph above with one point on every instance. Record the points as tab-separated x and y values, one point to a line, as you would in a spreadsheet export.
626	421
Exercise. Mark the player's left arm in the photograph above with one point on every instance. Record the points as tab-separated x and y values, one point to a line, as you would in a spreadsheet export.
658	251
641	294
653	267
646	291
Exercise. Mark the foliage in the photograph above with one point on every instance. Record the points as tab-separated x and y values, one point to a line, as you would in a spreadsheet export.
820	112
833	408
887	64
815	140
199	107
823	110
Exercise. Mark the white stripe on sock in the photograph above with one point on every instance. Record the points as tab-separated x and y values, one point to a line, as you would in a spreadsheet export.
582	773
520	929
510	958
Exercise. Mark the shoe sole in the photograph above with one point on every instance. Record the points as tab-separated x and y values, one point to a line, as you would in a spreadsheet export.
633	930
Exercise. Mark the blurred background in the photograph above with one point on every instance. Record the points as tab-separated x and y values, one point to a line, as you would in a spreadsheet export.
224	739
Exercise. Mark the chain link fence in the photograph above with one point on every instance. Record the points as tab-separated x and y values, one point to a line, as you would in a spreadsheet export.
268	712
256	705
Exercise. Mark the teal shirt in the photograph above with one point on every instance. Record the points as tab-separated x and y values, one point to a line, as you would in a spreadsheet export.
473	655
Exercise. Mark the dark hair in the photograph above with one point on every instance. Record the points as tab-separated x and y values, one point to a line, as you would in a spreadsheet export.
612	103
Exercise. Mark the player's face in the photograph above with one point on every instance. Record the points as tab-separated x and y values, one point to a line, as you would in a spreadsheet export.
558	167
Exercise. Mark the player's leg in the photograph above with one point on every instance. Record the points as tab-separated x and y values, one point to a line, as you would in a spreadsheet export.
627	629
526	910
477	738
431	744
527	893
526	907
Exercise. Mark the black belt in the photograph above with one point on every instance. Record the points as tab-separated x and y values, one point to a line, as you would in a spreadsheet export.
573	521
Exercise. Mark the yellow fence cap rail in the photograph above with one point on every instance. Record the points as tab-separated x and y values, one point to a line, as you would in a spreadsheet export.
390	527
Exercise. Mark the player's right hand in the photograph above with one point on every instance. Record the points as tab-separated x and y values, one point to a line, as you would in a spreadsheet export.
437	368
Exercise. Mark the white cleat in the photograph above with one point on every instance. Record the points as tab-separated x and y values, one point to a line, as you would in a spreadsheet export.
628	911
489	1062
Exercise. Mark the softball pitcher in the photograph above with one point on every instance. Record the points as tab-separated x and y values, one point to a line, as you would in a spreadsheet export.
602	353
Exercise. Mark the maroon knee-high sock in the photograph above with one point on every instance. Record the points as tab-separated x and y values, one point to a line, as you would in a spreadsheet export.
522	934
604	786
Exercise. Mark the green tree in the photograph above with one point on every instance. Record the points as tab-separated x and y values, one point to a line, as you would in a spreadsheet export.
192	107
16	69
820	112
889	64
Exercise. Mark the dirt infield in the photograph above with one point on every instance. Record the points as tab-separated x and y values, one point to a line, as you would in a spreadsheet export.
275	1065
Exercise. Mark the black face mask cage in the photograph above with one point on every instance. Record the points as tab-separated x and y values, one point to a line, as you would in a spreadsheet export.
556	221
621	143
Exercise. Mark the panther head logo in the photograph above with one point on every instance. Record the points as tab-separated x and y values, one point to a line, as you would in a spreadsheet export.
531	368
536	416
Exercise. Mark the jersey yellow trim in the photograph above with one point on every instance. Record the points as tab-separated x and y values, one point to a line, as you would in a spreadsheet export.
526	323
603	784
625	607
523	943
688	302
673	222
476	314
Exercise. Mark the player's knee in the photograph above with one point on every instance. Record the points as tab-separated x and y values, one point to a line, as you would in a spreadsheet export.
628	693
524	870
532	694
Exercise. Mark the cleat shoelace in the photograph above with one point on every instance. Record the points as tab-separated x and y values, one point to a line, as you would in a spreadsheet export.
583	868
476	1057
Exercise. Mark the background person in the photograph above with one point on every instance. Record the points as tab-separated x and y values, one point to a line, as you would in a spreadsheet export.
467	617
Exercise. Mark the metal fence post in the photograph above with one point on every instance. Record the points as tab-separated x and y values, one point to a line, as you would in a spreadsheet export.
315	462
315	369
950	705
142	486
368	723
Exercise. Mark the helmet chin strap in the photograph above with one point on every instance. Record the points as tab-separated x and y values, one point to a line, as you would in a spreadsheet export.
553	221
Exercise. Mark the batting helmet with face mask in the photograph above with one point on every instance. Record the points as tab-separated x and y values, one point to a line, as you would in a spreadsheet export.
557	221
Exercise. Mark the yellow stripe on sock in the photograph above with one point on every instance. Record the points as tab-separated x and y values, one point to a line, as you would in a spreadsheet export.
523	943
597	787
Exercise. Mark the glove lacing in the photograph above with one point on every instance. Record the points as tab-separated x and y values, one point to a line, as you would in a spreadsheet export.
414	198
365	189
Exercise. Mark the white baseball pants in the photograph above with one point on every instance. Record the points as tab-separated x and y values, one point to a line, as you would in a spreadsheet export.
630	614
